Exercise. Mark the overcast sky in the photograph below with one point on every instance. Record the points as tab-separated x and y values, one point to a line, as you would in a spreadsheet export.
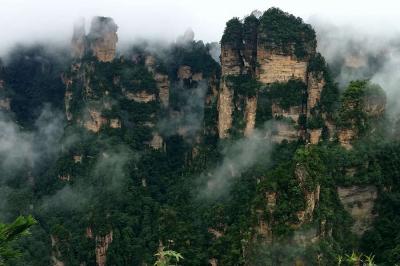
33	20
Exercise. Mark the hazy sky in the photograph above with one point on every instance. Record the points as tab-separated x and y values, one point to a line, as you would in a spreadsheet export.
32	20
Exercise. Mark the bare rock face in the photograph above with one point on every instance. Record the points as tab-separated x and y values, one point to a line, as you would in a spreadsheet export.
292	113
184	72
231	60
359	202
311	197
250	114
315	135
316	83
94	121
345	137
213	262
103	38
275	67
225	109
78	42
162	81
102	244
67	103
55	254
141	97
284	131
374	106
115	123
157	142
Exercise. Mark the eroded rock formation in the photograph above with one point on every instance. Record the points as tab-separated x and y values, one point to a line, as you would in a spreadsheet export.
101	41
103	38
359	202
102	244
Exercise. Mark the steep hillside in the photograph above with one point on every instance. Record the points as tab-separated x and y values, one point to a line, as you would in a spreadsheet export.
258	160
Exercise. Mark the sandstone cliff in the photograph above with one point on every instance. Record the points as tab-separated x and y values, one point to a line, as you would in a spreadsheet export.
254	50
359	202
103	38
100	42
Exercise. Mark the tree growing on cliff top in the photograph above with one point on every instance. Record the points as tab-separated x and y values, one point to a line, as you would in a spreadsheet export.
11	232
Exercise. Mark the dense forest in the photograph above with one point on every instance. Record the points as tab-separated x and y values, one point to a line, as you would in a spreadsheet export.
124	161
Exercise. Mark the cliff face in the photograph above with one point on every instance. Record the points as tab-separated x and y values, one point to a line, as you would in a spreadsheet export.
363	104
163	82
225	109
102	244
274	67
359	202
101	41
103	38
78	42
256	51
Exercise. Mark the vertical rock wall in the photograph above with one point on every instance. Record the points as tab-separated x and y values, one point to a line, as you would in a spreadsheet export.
275	67
359	202
103	38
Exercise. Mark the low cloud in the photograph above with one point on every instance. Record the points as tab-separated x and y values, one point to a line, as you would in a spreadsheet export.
188	119
22	149
238	157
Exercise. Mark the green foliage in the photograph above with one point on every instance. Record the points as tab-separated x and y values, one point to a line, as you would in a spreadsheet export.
10	233
244	85
167	257
233	34
194	54
282	30
353	110
33	76
250	29
287	94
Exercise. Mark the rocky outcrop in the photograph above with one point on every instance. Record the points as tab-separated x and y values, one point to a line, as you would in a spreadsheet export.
163	87
374	105
162	81
250	115
225	109
284	131
102	244
231	60
55	254
346	136
101	41
213	262
274	67
141	97
315	86
363	104
359	202
184	72
156	142
67	103
311	197
78	42
77	158
103	38
293	113
315	135
258	54
115	123
94	121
